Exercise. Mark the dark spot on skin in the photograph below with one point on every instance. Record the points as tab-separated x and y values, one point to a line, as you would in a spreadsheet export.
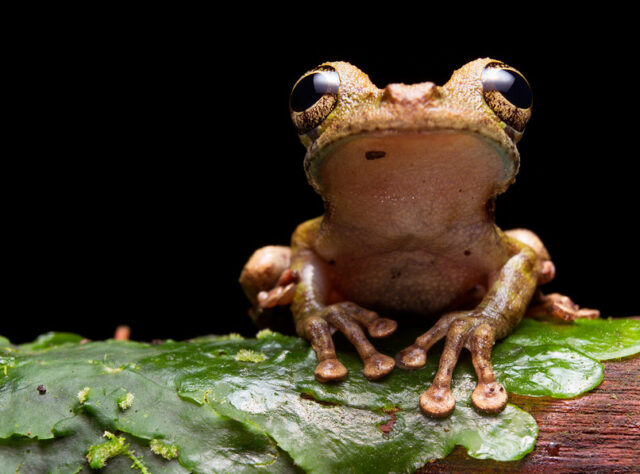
374	155
467	252
491	208
41	389
395	274
332	262
459	190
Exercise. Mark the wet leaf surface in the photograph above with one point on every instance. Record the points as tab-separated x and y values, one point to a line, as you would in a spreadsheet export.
252	405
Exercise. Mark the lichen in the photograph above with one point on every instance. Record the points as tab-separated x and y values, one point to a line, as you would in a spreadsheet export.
99	454
126	401
83	394
6	363
264	333
247	355
111	370
164	450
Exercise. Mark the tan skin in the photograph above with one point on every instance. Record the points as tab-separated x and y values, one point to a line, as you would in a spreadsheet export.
409	175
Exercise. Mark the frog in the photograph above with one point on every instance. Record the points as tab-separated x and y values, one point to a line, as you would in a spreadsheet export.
409	175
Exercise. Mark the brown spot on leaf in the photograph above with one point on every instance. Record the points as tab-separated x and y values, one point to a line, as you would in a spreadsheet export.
388	426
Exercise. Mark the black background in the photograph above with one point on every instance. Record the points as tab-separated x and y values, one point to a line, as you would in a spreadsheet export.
150	158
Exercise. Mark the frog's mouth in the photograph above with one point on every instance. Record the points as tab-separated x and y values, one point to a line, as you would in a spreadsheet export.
404	163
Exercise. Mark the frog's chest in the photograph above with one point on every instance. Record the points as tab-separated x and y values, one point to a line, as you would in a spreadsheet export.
422	277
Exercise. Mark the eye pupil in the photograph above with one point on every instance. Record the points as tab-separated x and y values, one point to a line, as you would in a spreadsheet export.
510	84
311	88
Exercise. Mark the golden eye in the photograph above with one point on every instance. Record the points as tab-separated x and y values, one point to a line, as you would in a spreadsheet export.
508	94
313	98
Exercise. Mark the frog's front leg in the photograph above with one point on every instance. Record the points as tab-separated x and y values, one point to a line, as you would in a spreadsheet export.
495	317
316	317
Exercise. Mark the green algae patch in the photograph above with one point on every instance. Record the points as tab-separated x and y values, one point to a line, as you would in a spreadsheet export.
230	404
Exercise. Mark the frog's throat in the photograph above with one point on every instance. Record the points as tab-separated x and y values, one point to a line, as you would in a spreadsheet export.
505	150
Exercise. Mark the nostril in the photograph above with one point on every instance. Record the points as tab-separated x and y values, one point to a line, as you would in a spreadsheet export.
420	93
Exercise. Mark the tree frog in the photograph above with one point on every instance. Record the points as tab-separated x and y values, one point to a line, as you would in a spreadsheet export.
409	175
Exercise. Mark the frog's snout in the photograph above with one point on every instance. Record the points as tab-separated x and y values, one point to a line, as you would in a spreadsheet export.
404	94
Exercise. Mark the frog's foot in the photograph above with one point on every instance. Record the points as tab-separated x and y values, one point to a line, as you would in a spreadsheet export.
263	273
282	293
269	283
462	329
557	307
349	319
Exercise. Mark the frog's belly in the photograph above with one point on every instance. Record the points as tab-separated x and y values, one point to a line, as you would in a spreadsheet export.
415	282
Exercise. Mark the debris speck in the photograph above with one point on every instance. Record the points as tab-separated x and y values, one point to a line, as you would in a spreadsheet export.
553	449
123	333
41	389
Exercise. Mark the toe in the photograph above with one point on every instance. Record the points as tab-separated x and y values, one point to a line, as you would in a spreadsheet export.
437	402
378	365
489	398
413	357
382	327
330	370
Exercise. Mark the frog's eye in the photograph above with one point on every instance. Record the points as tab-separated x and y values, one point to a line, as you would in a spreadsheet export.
508	94
313	97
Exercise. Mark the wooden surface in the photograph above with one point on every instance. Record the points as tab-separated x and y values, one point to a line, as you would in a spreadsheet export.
597	432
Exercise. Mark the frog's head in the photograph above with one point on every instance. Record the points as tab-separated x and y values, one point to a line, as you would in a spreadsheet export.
476	118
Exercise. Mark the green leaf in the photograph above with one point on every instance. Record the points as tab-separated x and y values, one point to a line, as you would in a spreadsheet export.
323	426
206	441
601	339
228	404
51	339
63	454
553	371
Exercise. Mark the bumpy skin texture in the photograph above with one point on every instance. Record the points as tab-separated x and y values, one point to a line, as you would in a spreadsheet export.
409	175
